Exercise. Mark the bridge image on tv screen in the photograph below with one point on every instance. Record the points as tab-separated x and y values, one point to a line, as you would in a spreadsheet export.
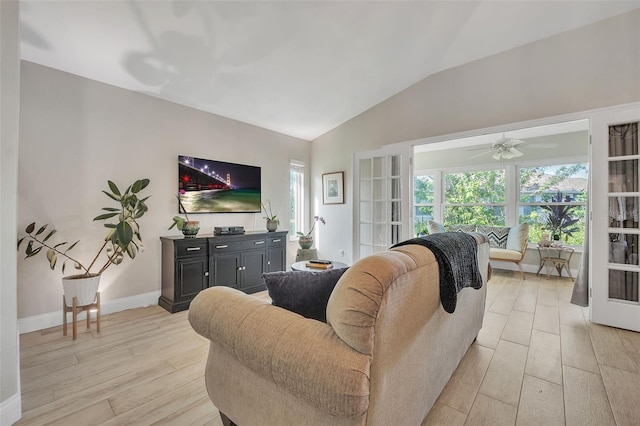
208	186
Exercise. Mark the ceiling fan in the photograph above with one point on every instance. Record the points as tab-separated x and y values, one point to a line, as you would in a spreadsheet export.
502	149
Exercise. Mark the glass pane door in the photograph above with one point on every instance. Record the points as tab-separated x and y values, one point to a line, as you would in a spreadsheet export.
615	266
382	196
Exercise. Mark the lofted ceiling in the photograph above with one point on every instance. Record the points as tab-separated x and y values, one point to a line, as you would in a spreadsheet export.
296	67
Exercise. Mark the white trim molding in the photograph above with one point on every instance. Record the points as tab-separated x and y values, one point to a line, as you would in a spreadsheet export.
54	319
11	409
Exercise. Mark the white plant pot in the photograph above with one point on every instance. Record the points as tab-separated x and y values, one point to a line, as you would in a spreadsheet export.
84	289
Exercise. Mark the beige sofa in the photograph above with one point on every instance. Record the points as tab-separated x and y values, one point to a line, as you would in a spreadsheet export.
508	244
383	358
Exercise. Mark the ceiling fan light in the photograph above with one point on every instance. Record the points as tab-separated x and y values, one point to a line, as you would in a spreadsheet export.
507	155
497	155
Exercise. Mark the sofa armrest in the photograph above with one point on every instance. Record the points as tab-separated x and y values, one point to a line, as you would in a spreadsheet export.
302	355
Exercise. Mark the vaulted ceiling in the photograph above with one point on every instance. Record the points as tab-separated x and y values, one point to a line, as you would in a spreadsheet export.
297	67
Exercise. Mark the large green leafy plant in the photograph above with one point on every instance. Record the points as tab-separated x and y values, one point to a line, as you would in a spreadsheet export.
122	237
561	219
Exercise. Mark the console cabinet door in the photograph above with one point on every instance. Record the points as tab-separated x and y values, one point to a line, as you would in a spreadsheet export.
192	275
253	263
276	254
226	270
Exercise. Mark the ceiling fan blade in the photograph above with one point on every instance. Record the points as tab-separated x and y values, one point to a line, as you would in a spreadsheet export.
515	142
480	155
543	145
515	152
478	148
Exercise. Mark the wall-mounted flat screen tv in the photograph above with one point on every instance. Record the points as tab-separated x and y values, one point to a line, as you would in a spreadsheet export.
209	186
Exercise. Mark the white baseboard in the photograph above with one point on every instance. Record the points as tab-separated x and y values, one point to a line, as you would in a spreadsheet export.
11	410
54	319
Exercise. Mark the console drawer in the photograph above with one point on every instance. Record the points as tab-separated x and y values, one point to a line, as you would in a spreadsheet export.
197	248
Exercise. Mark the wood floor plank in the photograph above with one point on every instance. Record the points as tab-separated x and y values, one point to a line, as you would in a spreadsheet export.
441	415
487	411
503	379
623	389
585	399
544	359
577	350
96	414
630	340
547	319
540	403
526	301
503	304
492	328
466	380
548	295
608	347
201	412
571	315
518	328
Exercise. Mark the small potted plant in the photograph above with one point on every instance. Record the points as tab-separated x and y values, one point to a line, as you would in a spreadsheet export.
123	237
272	219
188	227
306	240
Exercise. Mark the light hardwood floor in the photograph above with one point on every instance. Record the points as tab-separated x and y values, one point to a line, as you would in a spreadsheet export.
536	361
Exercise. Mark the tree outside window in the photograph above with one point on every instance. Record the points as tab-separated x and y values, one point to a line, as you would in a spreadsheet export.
475	197
553	201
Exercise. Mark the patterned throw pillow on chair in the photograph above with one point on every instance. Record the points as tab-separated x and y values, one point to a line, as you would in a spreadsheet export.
461	228
497	235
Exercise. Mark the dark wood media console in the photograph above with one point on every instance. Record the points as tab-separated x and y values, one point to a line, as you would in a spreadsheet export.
189	265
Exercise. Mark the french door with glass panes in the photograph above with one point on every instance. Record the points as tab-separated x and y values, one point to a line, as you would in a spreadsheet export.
615	261
382	202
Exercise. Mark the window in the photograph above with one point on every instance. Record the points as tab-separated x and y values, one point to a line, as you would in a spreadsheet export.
423	201
553	201
296	198
476	197
551	198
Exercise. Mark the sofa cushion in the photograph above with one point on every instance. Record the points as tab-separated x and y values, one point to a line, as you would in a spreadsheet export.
435	227
461	228
497	235
518	236
303	292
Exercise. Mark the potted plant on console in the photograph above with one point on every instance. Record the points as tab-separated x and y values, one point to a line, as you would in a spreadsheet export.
188	227
306	240
272	219
123	237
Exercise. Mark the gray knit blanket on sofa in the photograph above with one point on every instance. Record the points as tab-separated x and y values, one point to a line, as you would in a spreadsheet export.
457	256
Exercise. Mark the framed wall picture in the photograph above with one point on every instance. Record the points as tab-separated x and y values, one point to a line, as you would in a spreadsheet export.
333	188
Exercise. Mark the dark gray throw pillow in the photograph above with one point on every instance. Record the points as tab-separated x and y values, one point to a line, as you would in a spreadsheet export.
303	292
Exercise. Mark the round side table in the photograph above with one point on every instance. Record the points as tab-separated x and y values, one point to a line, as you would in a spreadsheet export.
302	266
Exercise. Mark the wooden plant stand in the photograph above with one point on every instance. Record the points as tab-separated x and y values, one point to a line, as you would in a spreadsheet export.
75	310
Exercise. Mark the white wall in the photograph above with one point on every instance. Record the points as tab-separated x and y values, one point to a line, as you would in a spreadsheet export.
10	401
77	133
591	67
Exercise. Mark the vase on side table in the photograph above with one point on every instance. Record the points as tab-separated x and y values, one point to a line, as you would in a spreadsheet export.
305	242
272	225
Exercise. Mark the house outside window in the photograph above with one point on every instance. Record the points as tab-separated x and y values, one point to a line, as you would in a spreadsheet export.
296	198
